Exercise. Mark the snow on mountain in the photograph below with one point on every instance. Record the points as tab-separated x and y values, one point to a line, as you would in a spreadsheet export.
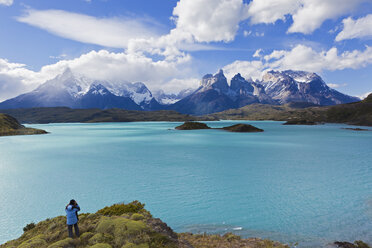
71	90
171	98
214	94
300	86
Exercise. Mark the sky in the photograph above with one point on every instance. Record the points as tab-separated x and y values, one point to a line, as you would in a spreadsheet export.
169	45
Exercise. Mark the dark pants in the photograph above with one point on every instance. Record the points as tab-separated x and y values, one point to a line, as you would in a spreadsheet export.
70	234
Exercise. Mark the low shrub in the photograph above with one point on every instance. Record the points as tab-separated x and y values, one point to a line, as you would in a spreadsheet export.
64	243
29	227
137	216
122	208
101	245
35	242
131	245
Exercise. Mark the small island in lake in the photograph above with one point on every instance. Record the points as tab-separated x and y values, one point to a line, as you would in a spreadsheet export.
10	126
241	128
192	125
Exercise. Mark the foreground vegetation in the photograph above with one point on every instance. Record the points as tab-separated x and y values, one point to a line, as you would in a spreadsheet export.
124	226
10	126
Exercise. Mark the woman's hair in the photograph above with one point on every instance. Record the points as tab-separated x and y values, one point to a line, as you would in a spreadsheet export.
72	202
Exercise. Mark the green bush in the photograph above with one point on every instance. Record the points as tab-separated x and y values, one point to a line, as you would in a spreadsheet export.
29	227
131	245
361	244
100	238
137	216
121	208
35	242
101	245
64	243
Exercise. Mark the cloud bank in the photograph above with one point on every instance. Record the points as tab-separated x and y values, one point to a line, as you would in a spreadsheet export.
6	2
360	28
16	79
107	32
307	15
301	57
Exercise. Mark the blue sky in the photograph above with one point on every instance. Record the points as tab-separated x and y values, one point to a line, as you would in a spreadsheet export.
170	45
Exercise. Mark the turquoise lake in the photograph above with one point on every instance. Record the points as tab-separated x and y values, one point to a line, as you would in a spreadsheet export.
305	184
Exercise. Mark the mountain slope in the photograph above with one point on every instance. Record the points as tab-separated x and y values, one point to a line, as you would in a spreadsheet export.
68	115
299	86
72	91
210	97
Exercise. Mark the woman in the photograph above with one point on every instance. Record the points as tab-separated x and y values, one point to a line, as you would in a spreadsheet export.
72	218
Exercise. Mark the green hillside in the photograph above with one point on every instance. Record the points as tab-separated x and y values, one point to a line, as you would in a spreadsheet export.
67	115
358	113
10	126
124	226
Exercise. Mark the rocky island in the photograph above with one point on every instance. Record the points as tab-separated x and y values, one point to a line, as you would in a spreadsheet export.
241	128
125	226
10	126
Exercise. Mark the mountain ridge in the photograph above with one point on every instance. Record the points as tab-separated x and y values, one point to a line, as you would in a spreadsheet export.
214	94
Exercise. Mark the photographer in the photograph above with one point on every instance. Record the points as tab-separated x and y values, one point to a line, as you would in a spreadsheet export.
72	218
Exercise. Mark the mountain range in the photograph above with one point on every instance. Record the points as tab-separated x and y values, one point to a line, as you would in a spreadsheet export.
213	95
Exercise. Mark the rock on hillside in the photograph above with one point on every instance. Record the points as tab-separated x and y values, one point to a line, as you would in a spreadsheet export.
10	126
123	226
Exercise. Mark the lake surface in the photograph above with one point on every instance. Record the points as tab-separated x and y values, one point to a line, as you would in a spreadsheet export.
305	184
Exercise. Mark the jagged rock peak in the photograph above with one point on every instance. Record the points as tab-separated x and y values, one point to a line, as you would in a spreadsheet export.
238	77
98	89
298	76
217	82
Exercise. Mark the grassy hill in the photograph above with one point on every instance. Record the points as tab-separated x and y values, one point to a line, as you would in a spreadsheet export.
67	115
10	126
358	113
124	226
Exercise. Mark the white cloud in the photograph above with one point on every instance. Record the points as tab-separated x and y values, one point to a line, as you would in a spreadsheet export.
365	95
302	58
6	2
257	53
360	28
246	33
335	86
307	15
171	75
269	11
16	79
248	69
207	20
109	32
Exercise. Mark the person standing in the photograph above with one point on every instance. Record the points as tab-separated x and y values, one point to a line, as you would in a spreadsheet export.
72	218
